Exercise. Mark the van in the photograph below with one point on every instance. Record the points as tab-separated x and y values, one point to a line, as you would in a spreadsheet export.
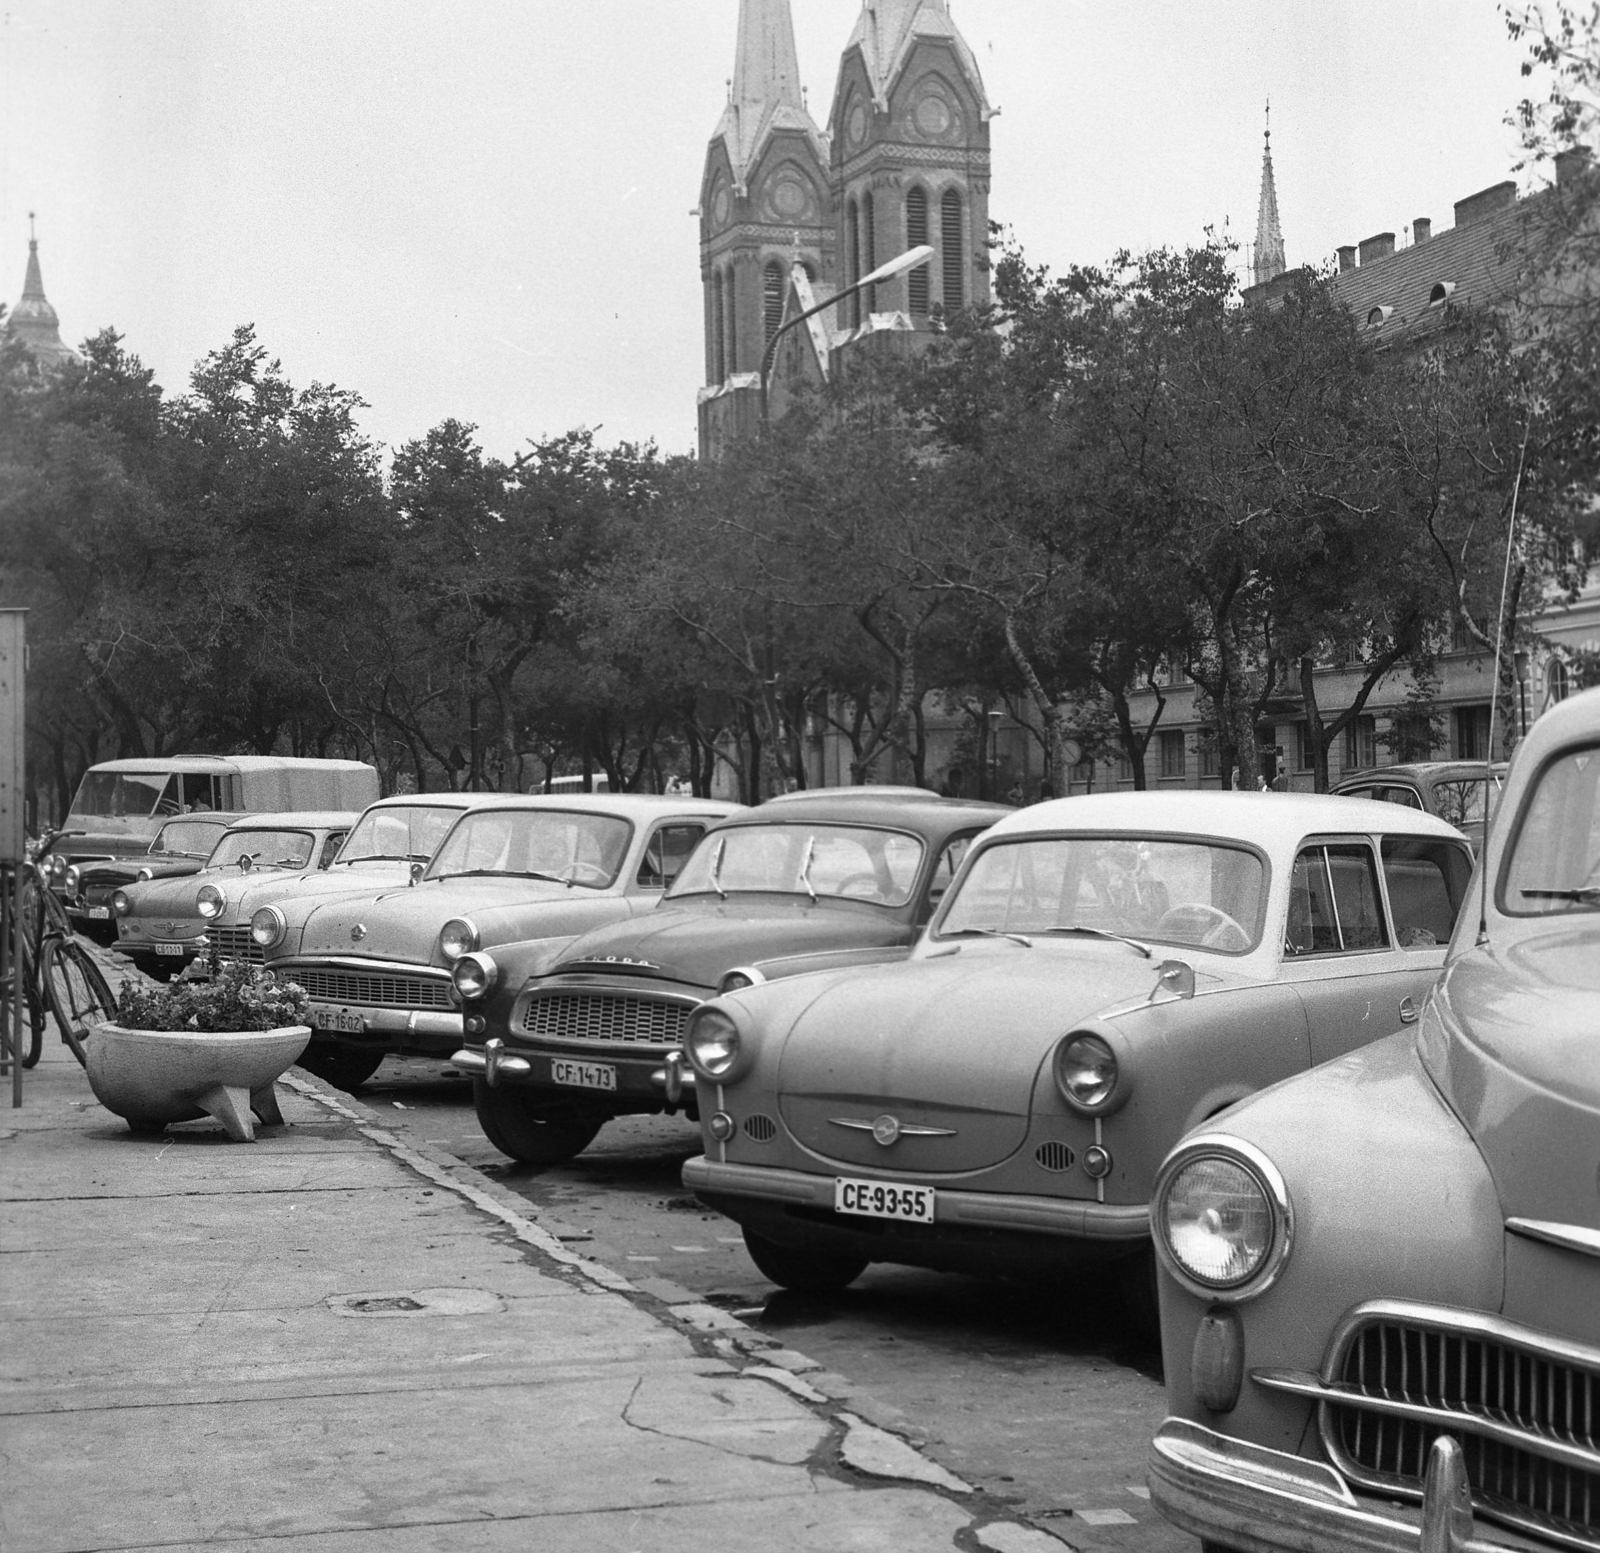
121	804
599	783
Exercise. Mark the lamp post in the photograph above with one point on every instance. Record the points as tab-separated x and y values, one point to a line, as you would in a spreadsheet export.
908	260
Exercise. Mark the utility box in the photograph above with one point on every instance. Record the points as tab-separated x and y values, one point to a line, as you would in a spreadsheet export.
13	688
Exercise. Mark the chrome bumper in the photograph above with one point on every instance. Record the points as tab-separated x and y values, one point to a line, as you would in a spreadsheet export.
493	1063
1266	1501
983	1210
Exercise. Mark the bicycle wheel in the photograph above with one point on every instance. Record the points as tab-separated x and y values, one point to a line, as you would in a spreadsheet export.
78	994
33	1014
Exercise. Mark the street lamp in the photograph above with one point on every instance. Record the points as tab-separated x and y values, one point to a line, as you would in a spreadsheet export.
909	260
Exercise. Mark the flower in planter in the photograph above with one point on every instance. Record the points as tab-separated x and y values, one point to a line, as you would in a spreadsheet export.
238	997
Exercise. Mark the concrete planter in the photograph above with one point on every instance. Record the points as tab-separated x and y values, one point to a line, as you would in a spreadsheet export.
152	1077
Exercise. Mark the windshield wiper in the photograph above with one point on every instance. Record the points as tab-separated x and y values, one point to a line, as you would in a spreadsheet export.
988	932
1584	892
805	868
1099	932
716	867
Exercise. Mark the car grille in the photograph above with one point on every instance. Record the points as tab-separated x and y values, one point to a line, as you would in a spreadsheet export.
1526	1411
373	988
235	943
626	1018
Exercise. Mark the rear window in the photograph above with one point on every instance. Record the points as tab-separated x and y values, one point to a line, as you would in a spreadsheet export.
1427	882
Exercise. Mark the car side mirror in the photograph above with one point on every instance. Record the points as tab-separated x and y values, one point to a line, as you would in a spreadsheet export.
416	872
1174	979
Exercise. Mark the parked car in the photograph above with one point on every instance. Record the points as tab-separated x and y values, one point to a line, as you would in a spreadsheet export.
1380	1288
563	1042
162	923
1461	792
1106	972
377	965
180	847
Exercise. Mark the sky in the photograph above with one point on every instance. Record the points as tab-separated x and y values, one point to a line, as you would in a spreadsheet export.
482	209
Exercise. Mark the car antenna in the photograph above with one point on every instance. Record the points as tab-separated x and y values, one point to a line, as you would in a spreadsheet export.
1494	692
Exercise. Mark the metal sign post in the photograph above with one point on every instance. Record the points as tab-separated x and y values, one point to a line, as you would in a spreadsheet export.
13	833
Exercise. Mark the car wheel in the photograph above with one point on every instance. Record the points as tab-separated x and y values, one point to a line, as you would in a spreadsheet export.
341	1066
805	1270
533	1131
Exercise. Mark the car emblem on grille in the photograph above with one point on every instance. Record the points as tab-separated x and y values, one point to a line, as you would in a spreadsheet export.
358	932
888	1130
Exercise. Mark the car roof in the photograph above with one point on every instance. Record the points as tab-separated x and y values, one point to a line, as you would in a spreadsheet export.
435	800
1265	819
290	819
1378	775
170	763
895	806
631	806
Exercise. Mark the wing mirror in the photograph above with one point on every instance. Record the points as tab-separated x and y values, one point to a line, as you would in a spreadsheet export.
417	871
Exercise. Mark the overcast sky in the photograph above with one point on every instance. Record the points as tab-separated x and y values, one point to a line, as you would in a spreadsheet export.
481	208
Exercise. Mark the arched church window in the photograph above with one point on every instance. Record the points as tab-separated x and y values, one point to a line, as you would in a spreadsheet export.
869	250
916	236
718	348
771	300
852	256
731	329
950	242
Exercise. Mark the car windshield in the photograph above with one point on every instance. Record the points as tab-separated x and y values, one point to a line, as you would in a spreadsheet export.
264	848
1461	801
573	847
118	794
401	833
189	838
846	862
1200	894
1554	863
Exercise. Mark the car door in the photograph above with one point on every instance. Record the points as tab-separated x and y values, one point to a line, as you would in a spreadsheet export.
1340	952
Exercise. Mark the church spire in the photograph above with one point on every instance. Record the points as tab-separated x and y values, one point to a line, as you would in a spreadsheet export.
33	322
1268	260
765	91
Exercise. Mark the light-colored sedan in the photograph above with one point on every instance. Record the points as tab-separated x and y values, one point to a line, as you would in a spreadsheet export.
1380	1289
377	964
1105	973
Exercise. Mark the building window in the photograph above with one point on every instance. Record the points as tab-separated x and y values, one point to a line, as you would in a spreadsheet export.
719	357
1411	738
1558	681
1172	756
1206	748
771	300
1305	757
1461	639
1472	732
916	236
1360	745
869	250
730	329
1124	769
950	239
852	256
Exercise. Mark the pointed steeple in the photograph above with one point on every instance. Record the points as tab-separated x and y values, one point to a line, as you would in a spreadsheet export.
765	93
1268	261
887	30
33	321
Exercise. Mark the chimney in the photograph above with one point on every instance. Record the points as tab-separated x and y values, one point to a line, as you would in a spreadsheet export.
1347	259
1421	229
1476	206
1379	247
1571	164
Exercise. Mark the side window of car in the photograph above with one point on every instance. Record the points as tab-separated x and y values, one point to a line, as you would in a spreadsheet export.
944	869
1427	882
330	846
1406	797
1333	901
666	853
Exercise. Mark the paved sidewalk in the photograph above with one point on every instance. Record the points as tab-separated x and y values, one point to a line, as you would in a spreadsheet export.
330	1340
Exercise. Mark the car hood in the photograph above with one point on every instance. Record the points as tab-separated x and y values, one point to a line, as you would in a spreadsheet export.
298	894
403	923
698	944
955	1043
109	876
175	895
1511	1040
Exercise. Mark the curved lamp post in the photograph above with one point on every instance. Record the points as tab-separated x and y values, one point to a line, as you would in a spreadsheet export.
908	260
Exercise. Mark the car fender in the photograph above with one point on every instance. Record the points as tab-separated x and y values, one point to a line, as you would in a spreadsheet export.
1389	1198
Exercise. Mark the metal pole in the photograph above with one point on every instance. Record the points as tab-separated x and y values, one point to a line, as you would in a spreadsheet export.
17	990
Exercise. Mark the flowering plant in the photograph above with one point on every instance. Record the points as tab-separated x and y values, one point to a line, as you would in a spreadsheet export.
237	997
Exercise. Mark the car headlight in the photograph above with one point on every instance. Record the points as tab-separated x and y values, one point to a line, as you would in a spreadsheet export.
712	1042
210	901
72	882
739	977
457	937
1087	1073
475	975
58	867
267	927
1222	1218
120	902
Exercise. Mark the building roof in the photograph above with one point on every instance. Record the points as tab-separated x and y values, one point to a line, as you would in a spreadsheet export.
33	322
887	31
1268	259
765	95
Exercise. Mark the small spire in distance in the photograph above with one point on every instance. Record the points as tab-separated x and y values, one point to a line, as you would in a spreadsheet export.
1268	261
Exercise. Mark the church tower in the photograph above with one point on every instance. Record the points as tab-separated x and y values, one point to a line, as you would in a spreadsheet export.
910	140
1268	262
764	206
33	321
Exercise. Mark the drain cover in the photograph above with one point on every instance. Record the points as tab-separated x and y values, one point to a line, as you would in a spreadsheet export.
416	1302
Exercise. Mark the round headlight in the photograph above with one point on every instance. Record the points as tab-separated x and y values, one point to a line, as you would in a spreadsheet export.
210	901
1221	1218
741	976
267	927
58	866
1086	1071
120	902
145	873
712	1041
475	975
457	937
72	882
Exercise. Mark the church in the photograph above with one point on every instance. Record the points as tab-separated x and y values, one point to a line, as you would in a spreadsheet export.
794	215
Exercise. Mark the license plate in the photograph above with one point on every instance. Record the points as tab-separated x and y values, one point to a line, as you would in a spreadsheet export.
171	949
325	1018
99	913
883	1200
583	1075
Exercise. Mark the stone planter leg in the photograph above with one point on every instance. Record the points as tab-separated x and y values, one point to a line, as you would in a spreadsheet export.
230	1105
264	1102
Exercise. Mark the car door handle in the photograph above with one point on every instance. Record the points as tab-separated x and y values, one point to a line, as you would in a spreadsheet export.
1408	1011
